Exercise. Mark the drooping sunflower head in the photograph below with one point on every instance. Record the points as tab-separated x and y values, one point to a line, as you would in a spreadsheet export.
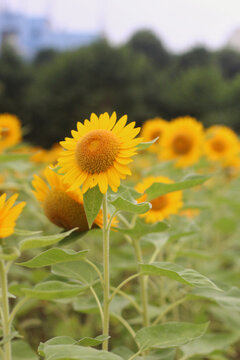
221	143
154	128
183	141
10	131
9	214
62	207
99	152
163	206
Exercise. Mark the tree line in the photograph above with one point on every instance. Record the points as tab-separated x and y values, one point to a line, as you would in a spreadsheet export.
141	78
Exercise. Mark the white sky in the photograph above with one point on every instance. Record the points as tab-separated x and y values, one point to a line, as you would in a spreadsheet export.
180	23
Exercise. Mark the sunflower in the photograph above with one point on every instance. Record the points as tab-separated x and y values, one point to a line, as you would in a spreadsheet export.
99	152
153	128
221	144
183	141
162	206
46	156
62	207
9	214
10	131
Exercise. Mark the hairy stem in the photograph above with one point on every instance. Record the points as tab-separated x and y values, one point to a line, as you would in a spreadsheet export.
5	312
106	279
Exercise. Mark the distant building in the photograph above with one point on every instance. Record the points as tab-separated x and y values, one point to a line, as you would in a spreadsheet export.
28	35
234	40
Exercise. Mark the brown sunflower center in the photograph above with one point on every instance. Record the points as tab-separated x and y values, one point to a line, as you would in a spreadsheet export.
65	212
96	151
182	144
159	203
218	145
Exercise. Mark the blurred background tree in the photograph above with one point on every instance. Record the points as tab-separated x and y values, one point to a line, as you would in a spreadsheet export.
141	78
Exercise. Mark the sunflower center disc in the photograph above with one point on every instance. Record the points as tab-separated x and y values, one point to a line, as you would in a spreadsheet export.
218	146
65	212
96	151
159	203
182	144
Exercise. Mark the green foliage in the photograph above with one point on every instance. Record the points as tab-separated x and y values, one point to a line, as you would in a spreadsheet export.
169	335
92	203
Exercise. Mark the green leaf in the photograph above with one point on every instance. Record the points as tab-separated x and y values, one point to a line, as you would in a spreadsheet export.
42	241
22	351
77	271
23	232
229	300
88	341
92	200
176	272
169	335
131	206
13	157
51	290
209	343
157	239
54	256
141	228
146	145
73	352
159	189
125	192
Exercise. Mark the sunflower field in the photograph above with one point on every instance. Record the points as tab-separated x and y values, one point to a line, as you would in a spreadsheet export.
120	242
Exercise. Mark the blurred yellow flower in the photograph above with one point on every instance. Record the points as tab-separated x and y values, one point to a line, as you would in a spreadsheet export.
162	206
221	144
46	156
153	128
190	213
183	141
99	152
62	207
9	214
10	131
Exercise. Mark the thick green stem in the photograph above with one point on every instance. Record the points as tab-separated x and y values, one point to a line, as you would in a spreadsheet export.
106	280
5	311
143	284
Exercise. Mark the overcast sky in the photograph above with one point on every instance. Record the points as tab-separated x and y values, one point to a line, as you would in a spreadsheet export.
181	24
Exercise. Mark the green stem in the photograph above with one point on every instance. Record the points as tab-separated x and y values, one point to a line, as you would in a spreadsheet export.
129	298
135	355
124	282
96	269
106	280
5	309
98	303
143	284
169	308
126	325
16	309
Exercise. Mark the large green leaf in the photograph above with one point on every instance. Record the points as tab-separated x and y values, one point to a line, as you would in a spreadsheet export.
22	351
229	300
54	256
92	200
131	206
169	335
176	272
209	343
74	352
88	341
77	271
146	145
159	189
157	239
42	241
125	192
141	228
51	290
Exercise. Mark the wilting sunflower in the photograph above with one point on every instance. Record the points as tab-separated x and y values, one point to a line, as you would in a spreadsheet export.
183	141
9	214
221	143
62	207
153	128
99	152
10	131
162	206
